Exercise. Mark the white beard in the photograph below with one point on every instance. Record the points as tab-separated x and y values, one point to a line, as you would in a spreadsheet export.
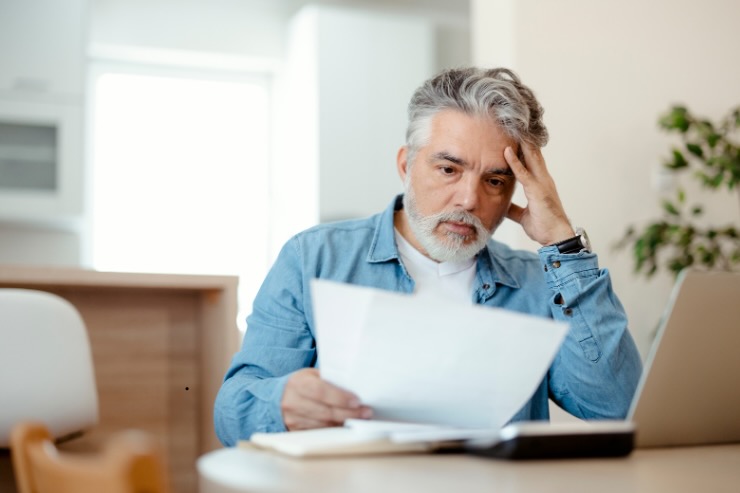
454	247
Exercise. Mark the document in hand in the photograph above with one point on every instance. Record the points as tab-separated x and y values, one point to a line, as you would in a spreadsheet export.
419	359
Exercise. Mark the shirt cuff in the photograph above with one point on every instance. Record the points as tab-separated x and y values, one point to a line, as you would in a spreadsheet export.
270	391
559	268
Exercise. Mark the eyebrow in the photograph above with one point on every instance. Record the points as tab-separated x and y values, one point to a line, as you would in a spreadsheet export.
499	171
446	156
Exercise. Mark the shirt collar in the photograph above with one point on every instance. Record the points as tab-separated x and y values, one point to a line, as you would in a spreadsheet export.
491	269
383	249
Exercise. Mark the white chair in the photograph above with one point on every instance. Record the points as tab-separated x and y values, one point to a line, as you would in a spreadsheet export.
46	369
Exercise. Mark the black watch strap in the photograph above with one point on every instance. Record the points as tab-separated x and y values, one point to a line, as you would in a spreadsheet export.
576	244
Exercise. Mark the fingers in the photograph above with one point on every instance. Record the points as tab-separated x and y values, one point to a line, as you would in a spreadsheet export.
533	165
543	217
300	415
520	171
313	387
310	402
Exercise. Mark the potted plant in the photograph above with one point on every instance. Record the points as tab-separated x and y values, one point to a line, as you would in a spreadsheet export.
681	237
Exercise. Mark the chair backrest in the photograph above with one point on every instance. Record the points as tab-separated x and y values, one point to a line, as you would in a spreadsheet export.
129	463
46	369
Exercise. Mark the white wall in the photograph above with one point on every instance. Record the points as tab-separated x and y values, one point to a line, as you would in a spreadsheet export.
604	71
369	66
341	113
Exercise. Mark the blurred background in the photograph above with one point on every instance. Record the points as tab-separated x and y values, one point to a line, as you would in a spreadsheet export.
194	136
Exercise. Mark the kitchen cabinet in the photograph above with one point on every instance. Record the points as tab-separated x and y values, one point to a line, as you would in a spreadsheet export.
42	107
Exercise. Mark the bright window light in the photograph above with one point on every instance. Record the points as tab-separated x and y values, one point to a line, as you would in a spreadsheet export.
180	168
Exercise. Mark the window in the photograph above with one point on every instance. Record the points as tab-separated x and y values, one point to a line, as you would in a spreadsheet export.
179	174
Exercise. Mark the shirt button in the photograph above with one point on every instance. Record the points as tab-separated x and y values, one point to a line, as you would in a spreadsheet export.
486	286
545	268
568	311
556	264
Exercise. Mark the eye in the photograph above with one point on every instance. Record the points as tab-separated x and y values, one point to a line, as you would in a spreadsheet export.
447	170
496	182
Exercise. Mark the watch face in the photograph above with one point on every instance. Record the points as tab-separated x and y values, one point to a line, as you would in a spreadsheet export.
584	239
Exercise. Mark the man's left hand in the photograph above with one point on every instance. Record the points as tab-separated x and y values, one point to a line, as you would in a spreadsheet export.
543	218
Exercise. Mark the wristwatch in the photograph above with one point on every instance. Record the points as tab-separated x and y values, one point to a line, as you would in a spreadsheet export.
579	243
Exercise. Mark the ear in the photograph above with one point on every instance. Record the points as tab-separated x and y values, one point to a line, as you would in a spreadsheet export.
402	162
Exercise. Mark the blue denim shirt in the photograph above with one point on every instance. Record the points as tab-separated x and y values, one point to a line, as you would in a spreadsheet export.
593	376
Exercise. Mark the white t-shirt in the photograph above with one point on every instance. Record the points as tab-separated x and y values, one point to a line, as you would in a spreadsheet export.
450	280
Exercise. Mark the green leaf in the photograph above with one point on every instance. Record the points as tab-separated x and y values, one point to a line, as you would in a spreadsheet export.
695	149
705	128
677	265
678	161
670	208
736	256
697	210
681	196
717	180
686	237
710	181
676	119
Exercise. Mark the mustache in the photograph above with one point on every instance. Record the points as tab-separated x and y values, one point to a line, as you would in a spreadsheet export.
464	217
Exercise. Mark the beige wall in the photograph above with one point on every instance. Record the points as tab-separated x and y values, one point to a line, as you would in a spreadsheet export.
604	71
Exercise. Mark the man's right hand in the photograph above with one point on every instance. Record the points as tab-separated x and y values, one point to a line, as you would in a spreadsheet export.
310	402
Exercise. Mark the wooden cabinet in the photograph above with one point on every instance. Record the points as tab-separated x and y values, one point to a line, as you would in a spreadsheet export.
161	345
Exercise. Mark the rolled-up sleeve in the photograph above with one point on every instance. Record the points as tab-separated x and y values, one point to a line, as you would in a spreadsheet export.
596	371
277	343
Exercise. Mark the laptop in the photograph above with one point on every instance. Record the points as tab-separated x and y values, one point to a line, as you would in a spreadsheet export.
689	392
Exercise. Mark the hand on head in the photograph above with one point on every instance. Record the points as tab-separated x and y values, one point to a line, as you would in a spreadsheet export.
310	402
543	218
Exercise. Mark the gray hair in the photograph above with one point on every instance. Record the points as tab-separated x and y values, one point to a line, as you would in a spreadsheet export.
495	93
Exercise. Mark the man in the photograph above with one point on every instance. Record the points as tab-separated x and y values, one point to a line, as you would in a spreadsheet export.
472	134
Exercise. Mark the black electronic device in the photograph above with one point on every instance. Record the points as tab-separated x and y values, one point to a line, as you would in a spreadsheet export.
543	440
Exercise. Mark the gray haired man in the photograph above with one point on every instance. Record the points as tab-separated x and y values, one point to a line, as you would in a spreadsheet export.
472	135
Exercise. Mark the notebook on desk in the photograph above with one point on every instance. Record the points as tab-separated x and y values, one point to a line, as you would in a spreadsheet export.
689	392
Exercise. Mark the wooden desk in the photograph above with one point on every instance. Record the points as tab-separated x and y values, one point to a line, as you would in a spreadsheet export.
161	345
676	470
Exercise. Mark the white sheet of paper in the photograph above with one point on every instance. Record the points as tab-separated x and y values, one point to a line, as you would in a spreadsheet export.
426	360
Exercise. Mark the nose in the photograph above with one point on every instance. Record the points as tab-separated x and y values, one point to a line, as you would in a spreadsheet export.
467	193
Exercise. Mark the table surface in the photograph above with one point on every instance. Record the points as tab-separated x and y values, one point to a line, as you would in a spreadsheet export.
713	469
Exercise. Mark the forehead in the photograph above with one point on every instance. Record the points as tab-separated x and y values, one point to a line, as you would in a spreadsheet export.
456	131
